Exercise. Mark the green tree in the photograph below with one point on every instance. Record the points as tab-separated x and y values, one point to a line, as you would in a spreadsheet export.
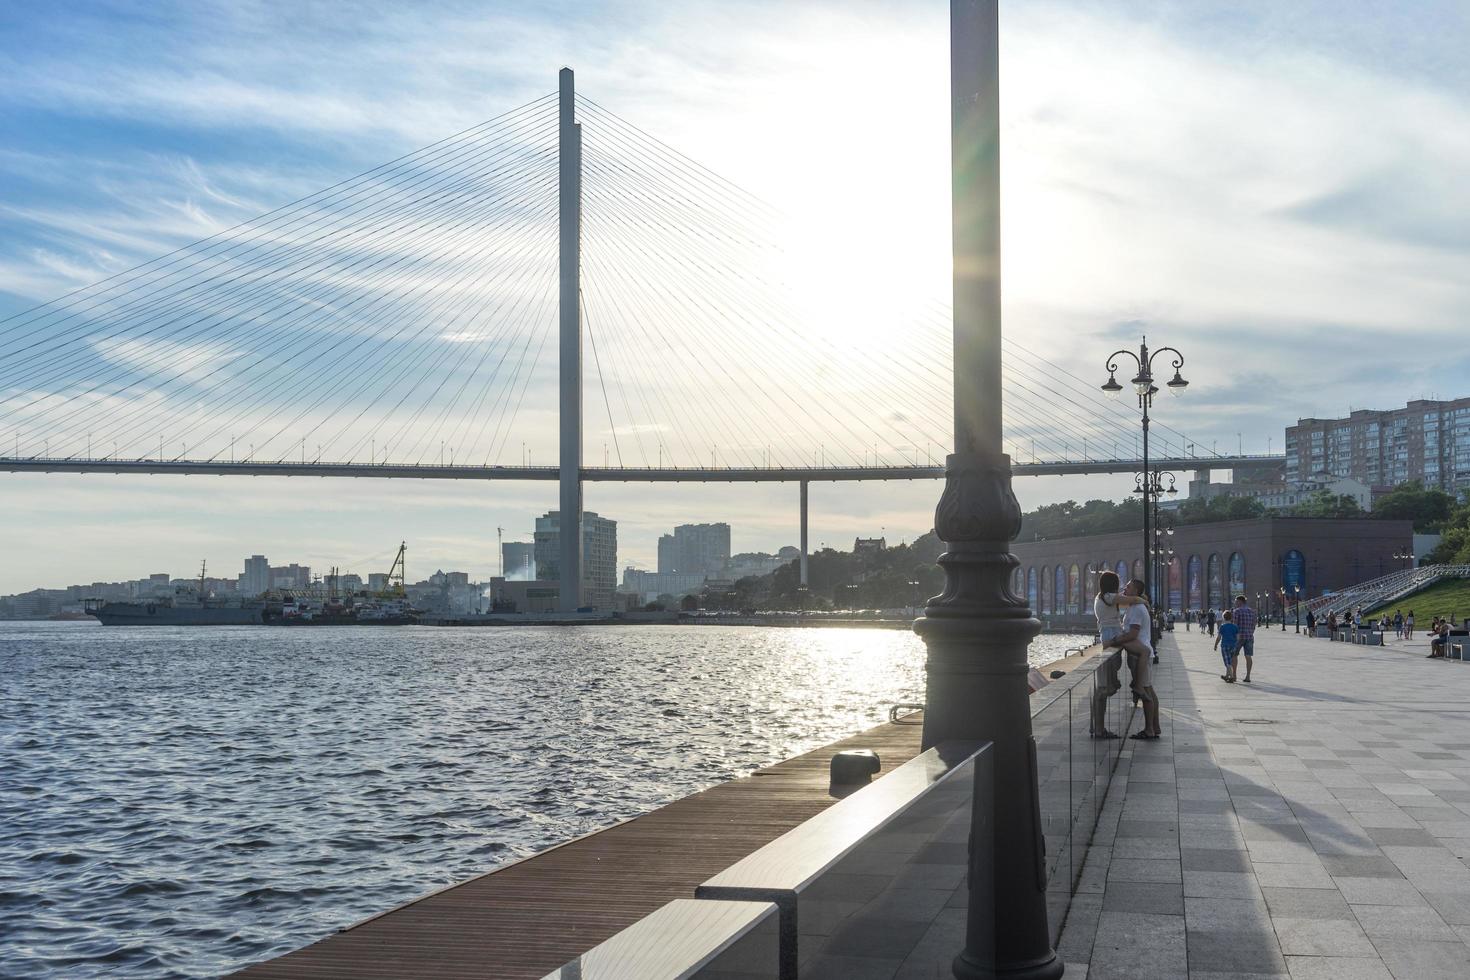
1198	511
1428	508
1325	503
1454	547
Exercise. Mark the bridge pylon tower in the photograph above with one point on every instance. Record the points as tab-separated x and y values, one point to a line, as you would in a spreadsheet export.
569	250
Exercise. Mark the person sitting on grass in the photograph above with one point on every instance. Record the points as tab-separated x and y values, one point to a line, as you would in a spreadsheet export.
1225	643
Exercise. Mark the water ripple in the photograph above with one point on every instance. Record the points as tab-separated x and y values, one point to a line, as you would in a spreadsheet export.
179	803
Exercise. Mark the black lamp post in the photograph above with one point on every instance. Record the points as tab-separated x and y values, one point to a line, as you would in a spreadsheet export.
978	630
1144	387
1296	591
1152	484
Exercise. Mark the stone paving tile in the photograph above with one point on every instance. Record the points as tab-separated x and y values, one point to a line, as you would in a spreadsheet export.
1337	968
1144	896
1139	946
1386	922
1270	875
1332	842
1322	937
1379	891
1144	869
1415	960
1360	865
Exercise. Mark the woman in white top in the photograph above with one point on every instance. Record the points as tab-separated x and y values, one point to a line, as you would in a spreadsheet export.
1108	605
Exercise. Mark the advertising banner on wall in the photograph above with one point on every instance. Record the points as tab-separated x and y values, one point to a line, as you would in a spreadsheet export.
1294	573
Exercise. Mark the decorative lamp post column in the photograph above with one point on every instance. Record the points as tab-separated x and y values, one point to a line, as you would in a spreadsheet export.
977	631
1145	389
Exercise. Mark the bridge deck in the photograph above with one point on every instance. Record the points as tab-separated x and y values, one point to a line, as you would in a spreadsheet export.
718	474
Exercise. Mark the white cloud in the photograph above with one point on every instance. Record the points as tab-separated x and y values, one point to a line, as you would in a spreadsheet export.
1263	199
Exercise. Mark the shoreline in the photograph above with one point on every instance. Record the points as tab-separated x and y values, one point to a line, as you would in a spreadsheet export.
531	915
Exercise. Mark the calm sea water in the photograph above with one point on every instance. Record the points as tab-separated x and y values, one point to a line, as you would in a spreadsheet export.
182	802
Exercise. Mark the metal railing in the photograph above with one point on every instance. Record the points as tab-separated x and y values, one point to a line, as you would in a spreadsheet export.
1376	593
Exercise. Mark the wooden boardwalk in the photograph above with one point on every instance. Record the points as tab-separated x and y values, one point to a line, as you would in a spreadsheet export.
527	919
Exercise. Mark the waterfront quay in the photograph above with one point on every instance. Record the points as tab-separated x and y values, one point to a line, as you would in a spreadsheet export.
1314	823
891	904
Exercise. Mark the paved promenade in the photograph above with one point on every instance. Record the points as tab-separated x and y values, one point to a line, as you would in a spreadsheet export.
1312	824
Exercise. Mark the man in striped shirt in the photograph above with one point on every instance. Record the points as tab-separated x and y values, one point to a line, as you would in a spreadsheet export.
1245	645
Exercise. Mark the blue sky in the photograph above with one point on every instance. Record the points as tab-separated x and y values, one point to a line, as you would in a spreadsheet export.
1275	188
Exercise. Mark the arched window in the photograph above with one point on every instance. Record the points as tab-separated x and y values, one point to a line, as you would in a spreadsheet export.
1137	569
1195	585
1176	583
1074	590
1217	582
1045	607
1031	596
1237	576
1089	582
1122	571
1059	593
1018	581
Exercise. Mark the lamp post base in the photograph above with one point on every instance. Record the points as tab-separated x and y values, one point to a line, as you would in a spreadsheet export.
966	968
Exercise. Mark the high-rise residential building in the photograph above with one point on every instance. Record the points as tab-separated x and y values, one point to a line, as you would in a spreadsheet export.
292	576
599	555
519	558
668	554
1425	440
257	576
695	549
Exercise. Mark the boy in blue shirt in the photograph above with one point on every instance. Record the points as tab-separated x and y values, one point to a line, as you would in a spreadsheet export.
1225	643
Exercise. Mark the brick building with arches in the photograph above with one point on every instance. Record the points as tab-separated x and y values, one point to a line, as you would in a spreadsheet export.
1211	563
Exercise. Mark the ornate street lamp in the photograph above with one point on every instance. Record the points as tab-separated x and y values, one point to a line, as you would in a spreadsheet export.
978	630
1145	389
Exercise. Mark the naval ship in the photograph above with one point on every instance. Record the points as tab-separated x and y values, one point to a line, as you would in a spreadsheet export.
188	606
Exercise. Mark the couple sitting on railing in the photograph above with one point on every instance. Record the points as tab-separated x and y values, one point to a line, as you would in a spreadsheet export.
1124	622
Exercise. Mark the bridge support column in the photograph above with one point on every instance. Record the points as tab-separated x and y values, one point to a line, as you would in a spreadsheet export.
804	581
977	632
569	150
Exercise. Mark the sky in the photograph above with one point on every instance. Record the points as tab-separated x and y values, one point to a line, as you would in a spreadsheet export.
1275	189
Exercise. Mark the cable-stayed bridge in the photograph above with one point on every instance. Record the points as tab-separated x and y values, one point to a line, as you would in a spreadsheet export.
554	273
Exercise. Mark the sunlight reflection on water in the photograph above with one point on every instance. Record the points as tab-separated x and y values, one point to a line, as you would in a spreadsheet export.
182	802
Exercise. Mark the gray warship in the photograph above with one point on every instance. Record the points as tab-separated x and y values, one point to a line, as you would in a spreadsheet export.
188	606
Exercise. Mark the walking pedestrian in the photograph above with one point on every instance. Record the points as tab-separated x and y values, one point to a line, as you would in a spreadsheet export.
1245	621
1409	625
1225	643
1210	620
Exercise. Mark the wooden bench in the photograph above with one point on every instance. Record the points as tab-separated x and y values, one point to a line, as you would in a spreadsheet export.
687	940
876	867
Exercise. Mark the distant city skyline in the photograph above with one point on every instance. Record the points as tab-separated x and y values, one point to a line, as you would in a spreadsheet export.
1248	181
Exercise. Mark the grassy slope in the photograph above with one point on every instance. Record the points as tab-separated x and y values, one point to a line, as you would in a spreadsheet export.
1448	598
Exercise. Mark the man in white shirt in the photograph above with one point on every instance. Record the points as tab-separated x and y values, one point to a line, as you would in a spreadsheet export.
1137	637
